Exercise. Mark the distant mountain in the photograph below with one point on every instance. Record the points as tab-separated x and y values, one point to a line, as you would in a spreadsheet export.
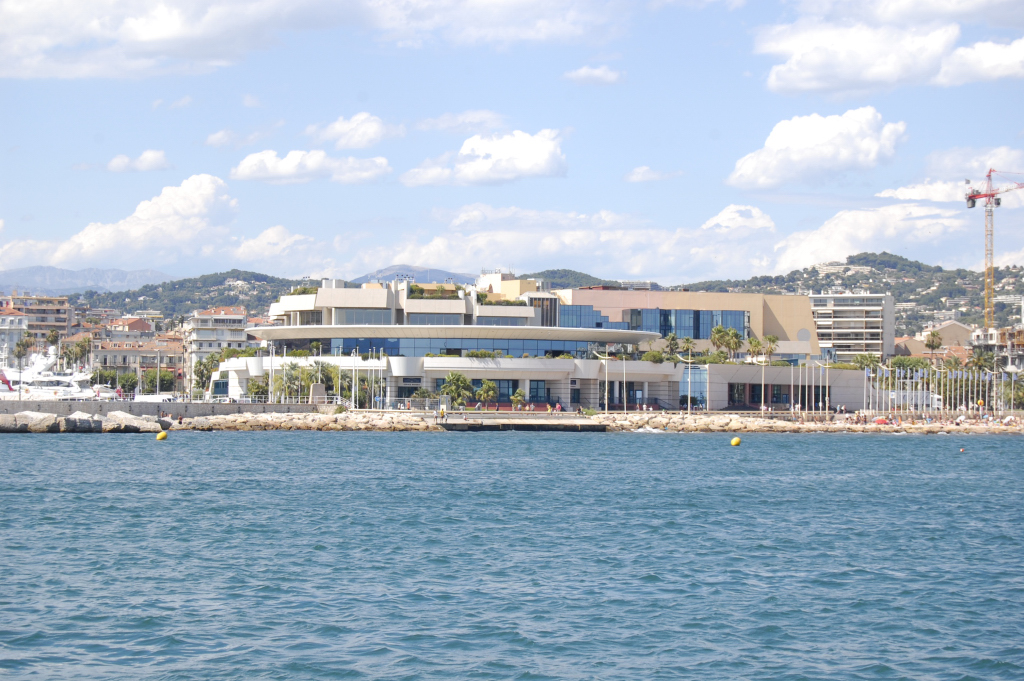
568	279
253	290
423	275
57	281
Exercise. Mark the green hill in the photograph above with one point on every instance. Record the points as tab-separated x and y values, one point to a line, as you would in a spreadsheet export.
568	279
180	297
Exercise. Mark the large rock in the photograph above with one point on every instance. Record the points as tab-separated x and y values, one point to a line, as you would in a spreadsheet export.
9	424
123	422
37	422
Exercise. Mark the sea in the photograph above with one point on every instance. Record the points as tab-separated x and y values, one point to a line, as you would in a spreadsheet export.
305	555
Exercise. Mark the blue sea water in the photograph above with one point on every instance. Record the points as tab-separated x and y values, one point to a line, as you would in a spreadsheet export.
511	556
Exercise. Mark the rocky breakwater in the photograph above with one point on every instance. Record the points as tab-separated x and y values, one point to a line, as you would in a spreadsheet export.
731	423
371	421
80	422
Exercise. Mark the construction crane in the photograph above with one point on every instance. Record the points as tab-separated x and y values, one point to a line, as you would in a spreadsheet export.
991	196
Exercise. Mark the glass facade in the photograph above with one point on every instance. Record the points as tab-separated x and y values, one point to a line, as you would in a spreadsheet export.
501	321
350	316
696	324
420	347
433	319
586	317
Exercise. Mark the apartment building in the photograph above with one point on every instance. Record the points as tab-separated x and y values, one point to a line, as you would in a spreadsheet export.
209	331
13	326
140	355
43	313
855	323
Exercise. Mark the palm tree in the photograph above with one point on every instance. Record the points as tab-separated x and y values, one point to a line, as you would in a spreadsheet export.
734	341
953	363
457	387
719	337
933	342
21	349
981	361
865	361
771	344
754	347
488	392
52	338
517	398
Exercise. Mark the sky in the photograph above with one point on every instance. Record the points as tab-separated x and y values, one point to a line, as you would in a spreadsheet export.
672	141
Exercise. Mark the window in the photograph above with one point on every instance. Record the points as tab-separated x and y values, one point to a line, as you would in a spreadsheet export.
501	321
538	391
433	319
737	393
357	316
220	387
574	395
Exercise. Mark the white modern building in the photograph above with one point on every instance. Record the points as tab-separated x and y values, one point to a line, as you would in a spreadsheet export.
13	326
855	323
555	347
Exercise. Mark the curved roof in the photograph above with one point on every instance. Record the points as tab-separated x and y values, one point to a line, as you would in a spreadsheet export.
274	333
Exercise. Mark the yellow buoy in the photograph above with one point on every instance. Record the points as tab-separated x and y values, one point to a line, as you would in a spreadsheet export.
735	442
162	435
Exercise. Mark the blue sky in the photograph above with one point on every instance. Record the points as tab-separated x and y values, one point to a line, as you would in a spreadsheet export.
676	141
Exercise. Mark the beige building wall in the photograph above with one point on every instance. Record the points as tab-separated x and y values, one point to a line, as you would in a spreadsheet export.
788	317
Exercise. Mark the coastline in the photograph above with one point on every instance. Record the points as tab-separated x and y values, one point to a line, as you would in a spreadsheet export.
397	421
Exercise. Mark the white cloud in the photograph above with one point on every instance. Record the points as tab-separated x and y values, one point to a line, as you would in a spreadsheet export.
1	225
494	159
646	174
467	122
250	101
973	163
181	221
605	243
181	103
151	159
89	38
938	191
863	45
824	56
302	166
221	138
600	75
807	147
271	243
734	218
359	132
906	227
983	61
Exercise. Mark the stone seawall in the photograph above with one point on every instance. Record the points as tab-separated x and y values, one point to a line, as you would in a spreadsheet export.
728	423
117	421
172	409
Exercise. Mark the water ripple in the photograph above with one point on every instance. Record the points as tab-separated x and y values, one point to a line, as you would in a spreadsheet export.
510	556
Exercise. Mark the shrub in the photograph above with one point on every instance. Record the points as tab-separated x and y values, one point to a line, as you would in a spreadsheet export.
655	356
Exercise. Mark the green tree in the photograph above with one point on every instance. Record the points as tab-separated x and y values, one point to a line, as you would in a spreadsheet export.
518	398
655	356
488	392
21	349
933	342
127	382
457	387
52	338
909	363
733	341
982	361
755	347
257	386
149	381
866	361
671	344
423	394
315	347
952	364
103	377
771	344
719	337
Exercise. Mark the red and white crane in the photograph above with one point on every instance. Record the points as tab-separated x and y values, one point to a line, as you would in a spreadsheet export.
991	196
